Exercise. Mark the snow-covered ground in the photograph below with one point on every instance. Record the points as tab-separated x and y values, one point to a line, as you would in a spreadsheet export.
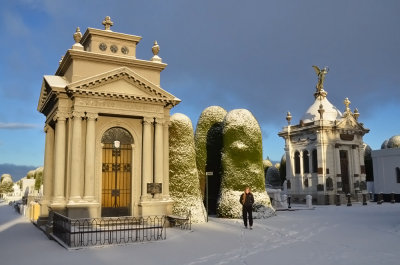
327	235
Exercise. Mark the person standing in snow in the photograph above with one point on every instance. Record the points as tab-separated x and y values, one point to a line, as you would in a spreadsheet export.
247	200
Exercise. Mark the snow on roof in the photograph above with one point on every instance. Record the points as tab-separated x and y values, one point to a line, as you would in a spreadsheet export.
331	112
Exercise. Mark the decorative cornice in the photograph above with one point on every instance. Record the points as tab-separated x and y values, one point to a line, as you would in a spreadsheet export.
109	34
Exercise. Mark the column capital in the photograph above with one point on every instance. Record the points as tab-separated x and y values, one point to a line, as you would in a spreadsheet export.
160	121
78	114
147	120
61	116
92	116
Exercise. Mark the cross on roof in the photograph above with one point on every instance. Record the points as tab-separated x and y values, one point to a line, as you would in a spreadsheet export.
107	23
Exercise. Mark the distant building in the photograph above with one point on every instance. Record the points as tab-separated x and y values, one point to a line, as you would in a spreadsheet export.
325	151
107	118
386	164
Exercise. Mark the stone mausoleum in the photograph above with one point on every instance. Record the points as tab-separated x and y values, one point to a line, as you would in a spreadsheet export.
325	151
106	127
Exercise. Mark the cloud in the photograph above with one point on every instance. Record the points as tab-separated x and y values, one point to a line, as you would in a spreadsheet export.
17	126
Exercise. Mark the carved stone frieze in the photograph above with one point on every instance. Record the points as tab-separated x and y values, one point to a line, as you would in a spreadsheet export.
99	103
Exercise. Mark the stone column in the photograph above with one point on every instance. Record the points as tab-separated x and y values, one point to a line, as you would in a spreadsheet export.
338	169
47	170
301	175
357	168
166	161
59	158
76	158
90	156
158	153
147	156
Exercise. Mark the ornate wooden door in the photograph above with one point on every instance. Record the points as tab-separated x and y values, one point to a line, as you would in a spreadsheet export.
116	172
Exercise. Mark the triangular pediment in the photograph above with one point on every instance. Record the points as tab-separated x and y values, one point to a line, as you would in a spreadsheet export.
348	122
122	82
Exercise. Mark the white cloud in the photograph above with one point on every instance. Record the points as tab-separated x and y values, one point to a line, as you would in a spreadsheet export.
17	126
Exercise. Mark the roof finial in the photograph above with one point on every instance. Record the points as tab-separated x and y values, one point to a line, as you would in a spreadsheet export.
77	37
156	49
321	78
347	103
321	111
107	23
356	114
347	110
288	117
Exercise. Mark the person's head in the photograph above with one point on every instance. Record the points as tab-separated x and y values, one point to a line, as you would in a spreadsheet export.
247	190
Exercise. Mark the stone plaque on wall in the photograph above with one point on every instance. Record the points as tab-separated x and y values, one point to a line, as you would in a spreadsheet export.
347	137
154	188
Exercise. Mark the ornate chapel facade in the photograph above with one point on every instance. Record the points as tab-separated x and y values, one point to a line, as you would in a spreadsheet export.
325	151
106	151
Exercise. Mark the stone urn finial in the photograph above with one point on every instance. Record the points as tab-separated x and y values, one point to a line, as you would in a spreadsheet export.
107	23
356	114
156	49
288	117
77	35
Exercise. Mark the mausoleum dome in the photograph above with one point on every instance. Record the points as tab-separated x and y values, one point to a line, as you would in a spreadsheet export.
394	142
367	150
6	178
331	113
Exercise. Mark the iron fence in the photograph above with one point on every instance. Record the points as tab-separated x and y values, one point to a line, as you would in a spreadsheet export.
108	230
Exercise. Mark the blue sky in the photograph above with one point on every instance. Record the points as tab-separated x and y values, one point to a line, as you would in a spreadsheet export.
235	54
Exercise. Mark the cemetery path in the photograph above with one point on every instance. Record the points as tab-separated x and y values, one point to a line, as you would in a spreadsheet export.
328	235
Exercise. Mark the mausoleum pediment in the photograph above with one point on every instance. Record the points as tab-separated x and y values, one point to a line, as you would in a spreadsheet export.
350	124
118	83
122	82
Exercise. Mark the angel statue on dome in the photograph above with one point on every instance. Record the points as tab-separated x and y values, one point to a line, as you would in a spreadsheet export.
321	76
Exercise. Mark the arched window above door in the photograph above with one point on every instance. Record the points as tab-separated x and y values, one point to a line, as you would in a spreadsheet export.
117	134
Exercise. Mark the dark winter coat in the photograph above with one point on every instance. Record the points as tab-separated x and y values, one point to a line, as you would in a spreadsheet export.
249	200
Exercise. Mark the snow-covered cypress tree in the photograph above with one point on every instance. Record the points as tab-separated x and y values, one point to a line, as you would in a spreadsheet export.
242	165
183	176
208	144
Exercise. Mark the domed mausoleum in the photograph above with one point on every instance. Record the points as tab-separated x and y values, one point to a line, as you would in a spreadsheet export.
324	152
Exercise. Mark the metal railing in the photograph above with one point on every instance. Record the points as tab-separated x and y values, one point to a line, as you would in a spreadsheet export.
107	230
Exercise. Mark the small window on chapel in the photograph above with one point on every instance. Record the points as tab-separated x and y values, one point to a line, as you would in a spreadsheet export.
398	174
297	162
